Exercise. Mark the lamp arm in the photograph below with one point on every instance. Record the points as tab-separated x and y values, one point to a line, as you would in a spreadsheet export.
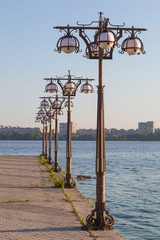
50	101
78	83
86	39
60	84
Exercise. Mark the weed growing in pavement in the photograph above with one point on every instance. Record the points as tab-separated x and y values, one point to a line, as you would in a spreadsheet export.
91	202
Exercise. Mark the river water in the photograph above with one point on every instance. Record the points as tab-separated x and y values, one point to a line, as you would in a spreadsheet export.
132	180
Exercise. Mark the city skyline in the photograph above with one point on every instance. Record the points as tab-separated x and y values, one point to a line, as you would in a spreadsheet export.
64	124
27	56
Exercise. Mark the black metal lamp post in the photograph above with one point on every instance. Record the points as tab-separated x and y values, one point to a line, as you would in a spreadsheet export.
106	38
69	90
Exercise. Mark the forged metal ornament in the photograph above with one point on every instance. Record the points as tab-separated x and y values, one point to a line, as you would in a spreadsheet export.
93	50
68	44
109	221
106	39
51	87
72	185
56	104
106	35
66	104
58	168
86	88
70	87
44	104
132	45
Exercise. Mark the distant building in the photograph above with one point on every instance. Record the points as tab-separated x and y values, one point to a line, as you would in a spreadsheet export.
6	129
146	127
86	131
63	128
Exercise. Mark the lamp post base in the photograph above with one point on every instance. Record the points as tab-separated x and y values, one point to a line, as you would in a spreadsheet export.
49	160
69	181
105	222
56	168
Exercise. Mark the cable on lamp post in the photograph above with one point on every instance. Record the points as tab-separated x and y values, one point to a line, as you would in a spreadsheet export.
69	90
106	38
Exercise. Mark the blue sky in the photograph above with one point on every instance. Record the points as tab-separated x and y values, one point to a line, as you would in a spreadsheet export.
132	83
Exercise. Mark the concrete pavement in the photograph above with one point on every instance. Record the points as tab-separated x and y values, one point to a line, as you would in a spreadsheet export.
32	208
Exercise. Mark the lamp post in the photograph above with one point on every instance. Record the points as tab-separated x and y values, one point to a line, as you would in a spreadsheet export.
69	90
41	114
44	105
43	138
50	114
56	106
106	38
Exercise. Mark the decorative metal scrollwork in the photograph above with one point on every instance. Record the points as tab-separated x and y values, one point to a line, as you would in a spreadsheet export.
58	168
109	220
92	222
122	25
85	25
72	183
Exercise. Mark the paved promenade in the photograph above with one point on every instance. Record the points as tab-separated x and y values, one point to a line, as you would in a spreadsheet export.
31	208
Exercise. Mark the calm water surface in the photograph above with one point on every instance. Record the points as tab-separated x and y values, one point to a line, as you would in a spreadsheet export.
132	180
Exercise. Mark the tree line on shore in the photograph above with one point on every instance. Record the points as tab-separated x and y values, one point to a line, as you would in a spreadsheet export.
33	135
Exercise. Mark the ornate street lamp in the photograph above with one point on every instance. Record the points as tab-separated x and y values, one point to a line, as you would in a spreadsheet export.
41	114
45	105
43	140
56	105
69	89
51	87
106	38
50	114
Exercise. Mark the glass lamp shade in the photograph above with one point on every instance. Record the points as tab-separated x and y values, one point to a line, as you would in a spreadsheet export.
50	113
51	88
66	104
69	87
44	104
68	44
132	46
60	112
56	104
41	112
86	88
106	40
